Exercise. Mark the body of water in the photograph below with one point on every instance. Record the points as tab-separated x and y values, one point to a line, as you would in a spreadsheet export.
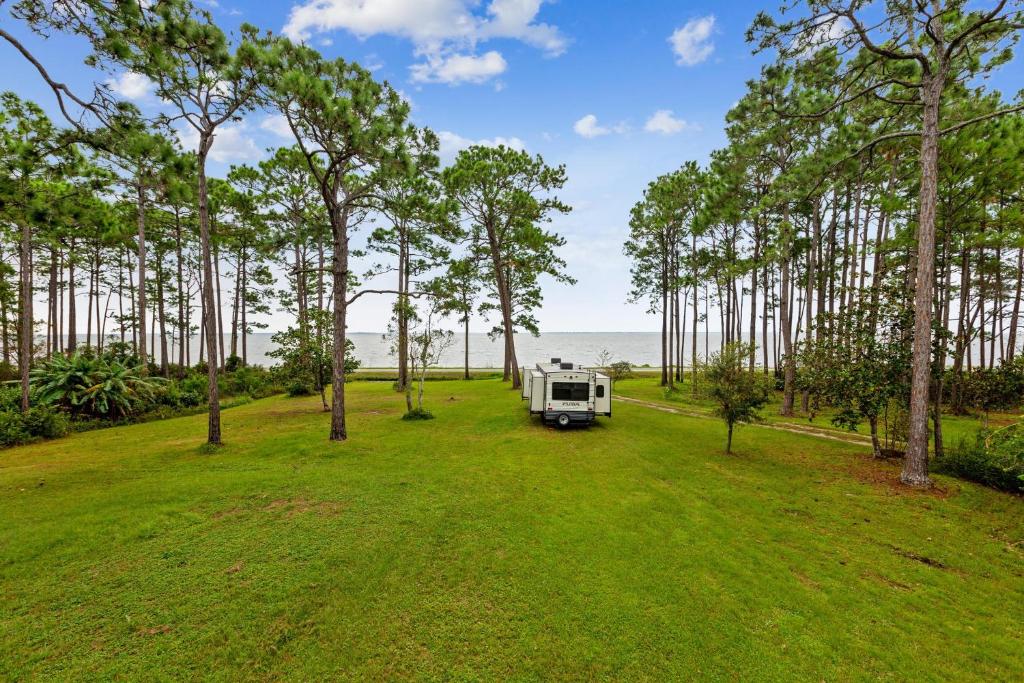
373	351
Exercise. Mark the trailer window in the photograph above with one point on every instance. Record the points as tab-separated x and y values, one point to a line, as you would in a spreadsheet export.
570	391
600	391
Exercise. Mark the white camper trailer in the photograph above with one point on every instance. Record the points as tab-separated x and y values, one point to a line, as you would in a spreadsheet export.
564	393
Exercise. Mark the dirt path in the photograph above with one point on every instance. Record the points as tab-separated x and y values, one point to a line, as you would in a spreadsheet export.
857	439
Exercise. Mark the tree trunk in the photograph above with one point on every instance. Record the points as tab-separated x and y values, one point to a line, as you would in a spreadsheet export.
165	369
245	322
25	355
664	324
467	344
140	215
236	304
52	345
217	311
88	304
339	224
213	431
915	466
99	316
789	379
1011	343
506	306
753	292
72	308
182	323
696	318
876	447
402	309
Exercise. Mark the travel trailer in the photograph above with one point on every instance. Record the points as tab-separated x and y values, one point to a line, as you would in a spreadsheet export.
565	393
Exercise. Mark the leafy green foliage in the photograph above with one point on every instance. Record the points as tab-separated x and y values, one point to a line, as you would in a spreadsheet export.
738	392
864	371
40	422
307	354
994	458
92	386
418	414
621	369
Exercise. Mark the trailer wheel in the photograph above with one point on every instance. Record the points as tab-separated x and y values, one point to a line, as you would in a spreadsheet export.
563	420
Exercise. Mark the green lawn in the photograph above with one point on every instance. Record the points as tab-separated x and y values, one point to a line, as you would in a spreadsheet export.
482	545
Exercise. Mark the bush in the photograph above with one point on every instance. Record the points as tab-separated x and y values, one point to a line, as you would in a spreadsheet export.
8	372
12	429
174	396
45	423
40	422
196	384
252	381
10	397
232	363
998	389
93	386
418	414
992	458
620	370
298	388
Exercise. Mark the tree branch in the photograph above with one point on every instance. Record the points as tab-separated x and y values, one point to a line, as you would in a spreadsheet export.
59	89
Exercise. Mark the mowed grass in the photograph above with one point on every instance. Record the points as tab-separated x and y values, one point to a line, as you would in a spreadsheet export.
482	545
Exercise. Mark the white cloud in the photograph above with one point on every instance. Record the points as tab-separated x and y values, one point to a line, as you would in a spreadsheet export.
278	125
458	68
692	41
830	29
515	19
664	122
453	143
131	86
588	127
427	22
444	32
230	144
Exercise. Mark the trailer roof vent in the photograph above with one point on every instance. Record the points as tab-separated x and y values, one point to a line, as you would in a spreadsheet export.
566	366
556	361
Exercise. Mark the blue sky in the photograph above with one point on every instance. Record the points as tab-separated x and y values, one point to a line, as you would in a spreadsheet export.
619	92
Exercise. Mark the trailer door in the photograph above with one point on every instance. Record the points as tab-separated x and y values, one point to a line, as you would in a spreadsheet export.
603	396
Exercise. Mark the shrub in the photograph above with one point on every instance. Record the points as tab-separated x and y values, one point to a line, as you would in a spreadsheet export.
298	388
10	397
93	386
45	423
253	381
997	389
993	458
40	422
12	429
196	384
8	372
232	363
621	370
174	396
418	414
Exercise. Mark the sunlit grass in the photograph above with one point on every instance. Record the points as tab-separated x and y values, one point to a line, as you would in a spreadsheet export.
483	545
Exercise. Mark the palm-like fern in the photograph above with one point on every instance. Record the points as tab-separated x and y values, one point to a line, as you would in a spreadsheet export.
100	387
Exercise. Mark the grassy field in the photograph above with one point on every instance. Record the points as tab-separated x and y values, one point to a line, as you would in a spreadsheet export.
482	545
